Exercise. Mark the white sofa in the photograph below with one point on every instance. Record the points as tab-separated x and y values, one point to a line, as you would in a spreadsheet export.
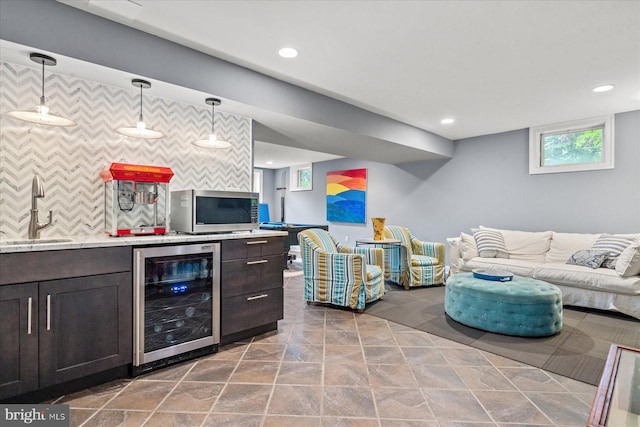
544	255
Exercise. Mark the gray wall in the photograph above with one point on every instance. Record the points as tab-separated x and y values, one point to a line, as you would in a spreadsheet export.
487	182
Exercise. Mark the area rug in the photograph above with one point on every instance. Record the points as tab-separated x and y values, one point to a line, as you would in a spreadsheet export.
579	351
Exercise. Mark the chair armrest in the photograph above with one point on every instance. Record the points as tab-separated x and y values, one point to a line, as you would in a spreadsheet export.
453	244
347	268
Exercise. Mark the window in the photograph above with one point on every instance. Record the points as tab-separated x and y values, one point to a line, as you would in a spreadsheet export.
580	145
301	177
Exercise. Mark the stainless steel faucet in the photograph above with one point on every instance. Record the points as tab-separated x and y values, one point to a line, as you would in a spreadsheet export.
37	191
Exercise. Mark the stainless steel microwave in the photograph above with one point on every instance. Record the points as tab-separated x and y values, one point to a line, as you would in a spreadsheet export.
203	211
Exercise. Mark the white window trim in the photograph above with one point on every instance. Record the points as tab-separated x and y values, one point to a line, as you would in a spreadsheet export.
258	180
535	145
293	177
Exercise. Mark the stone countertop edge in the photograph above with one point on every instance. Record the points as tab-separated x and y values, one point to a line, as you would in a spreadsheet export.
93	241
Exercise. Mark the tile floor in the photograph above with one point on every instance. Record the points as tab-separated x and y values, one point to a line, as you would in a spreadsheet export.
329	367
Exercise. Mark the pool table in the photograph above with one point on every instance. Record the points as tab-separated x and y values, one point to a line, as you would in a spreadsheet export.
293	229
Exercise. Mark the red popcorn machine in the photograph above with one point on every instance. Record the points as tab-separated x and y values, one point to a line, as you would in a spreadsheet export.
136	199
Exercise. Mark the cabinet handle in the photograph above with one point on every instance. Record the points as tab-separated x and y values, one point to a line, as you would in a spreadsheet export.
48	312
257	242
257	297
262	261
29	316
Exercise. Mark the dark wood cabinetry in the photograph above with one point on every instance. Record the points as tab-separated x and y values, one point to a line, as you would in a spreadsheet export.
54	331
251	284
18	339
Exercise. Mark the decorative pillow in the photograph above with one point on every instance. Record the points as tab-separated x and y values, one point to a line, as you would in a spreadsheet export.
468	248
628	263
614	244
490	243
588	258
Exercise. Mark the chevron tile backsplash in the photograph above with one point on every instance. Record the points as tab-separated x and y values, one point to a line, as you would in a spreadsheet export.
69	159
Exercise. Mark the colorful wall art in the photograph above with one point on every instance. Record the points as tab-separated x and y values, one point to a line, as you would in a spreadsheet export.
346	195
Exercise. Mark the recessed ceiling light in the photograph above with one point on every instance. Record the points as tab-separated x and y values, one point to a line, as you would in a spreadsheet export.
603	88
269	162
288	52
447	121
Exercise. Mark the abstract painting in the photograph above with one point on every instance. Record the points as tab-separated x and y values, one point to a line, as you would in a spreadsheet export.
346	195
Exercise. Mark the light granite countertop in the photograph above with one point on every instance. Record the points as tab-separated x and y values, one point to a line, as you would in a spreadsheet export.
83	242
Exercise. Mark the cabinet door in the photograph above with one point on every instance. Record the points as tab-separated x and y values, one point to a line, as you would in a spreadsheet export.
18	339
85	326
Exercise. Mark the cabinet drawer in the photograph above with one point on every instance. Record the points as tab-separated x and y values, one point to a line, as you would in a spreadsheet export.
248	311
243	276
251	248
37	266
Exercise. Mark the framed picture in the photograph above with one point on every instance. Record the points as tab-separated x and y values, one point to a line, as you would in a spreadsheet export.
346	195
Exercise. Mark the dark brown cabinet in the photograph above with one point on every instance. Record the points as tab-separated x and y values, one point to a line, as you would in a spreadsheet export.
251	284
18	339
54	331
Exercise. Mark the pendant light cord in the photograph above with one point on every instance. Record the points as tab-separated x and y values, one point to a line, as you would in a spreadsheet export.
140	119
212	116
42	99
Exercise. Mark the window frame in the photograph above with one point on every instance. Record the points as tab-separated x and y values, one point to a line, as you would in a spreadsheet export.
258	186
294	173
608	145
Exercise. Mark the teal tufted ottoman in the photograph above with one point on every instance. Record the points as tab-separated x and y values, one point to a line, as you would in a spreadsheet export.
525	307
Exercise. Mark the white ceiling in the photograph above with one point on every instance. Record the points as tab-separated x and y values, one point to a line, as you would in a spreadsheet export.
493	66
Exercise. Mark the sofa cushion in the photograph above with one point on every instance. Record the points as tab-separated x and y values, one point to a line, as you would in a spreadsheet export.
423	260
628	263
526	245
601	279
563	245
468	247
588	258
490	243
614	244
515	266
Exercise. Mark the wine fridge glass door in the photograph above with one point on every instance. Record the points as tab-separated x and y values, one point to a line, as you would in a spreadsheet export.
178	301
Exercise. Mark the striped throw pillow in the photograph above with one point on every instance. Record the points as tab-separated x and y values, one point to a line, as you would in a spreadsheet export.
614	244
490	243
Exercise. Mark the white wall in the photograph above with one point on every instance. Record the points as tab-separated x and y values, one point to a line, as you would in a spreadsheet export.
487	182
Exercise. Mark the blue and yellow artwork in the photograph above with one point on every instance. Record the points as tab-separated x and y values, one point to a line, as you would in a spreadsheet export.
346	195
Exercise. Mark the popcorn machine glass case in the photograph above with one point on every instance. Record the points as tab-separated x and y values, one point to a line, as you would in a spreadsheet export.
135	199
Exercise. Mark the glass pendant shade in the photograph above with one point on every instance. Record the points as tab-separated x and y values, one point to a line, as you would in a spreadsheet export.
41	114
140	130
212	141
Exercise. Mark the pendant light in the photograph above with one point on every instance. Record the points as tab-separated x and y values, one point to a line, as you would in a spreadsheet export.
212	141
141	131
41	115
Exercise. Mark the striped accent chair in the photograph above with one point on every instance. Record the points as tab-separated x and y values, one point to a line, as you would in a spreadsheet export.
419	263
337	274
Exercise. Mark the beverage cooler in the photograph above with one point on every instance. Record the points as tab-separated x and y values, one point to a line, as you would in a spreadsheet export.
176	304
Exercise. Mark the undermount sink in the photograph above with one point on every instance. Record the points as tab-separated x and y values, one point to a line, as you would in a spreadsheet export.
34	241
